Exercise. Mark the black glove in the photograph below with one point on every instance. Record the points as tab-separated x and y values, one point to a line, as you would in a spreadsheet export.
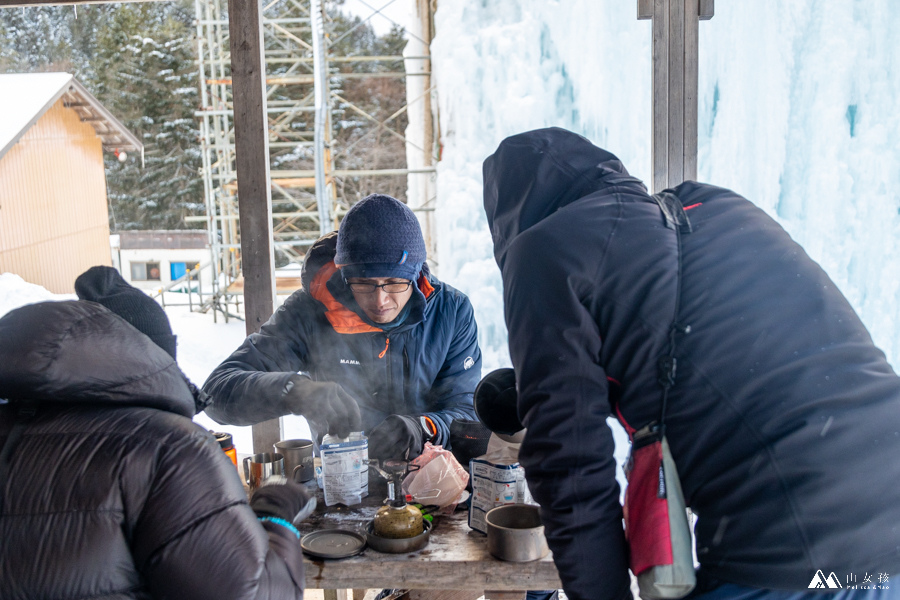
325	403
282	498
398	436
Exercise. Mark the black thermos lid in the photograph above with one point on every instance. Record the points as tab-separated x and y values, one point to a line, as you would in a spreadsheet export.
224	440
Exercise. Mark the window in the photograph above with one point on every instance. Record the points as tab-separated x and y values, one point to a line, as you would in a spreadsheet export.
145	271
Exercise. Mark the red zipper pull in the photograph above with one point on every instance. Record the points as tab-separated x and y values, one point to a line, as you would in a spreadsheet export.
387	342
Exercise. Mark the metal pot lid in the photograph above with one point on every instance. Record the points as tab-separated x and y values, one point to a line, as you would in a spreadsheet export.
333	543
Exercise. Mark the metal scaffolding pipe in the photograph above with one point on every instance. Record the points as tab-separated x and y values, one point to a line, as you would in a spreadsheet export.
320	75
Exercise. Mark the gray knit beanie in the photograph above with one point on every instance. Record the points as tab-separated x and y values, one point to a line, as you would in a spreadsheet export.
380	237
105	286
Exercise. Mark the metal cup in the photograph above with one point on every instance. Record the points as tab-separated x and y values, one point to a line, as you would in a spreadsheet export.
259	467
515	533
298	459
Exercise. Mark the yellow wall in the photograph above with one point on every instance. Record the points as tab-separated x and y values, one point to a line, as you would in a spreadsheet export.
54	221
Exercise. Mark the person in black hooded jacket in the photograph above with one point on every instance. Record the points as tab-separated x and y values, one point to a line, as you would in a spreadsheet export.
107	488
783	418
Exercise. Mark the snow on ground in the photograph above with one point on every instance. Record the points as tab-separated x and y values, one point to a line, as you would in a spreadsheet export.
202	345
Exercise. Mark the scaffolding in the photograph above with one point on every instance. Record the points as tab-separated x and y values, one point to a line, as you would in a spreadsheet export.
314	172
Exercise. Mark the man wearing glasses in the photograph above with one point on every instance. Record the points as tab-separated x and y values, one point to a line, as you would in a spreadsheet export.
373	342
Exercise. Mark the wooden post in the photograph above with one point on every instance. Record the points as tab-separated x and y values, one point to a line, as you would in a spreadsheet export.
251	136
675	81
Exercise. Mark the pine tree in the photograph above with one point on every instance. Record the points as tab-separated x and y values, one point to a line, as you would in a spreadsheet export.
145	64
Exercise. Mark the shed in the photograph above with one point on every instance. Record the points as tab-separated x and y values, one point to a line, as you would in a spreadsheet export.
153	259
54	220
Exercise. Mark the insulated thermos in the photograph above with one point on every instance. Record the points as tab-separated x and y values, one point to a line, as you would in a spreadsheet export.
227	444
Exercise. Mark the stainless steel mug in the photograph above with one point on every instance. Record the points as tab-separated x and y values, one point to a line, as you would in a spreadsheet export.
515	533
298	459
259	467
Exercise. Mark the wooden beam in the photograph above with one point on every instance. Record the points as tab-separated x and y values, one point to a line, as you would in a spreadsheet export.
254	192
675	99
675	47
644	10
660	91
689	91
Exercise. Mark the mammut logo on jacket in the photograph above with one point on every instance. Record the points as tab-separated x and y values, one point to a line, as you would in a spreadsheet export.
349	361
468	363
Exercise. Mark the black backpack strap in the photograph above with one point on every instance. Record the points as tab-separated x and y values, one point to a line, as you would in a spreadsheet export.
676	219
25	412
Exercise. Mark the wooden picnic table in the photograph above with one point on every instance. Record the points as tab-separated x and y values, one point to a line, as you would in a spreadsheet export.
455	558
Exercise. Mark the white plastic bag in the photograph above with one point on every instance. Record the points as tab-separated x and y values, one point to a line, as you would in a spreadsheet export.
438	481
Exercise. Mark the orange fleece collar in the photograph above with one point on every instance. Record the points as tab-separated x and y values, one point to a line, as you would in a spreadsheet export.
342	318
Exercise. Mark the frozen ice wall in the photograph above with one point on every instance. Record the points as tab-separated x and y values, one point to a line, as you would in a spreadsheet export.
506	67
797	111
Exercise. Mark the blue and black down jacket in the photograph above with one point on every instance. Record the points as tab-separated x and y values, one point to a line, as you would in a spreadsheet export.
427	366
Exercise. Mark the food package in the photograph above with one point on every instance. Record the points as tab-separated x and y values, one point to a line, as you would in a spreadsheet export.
345	469
497	479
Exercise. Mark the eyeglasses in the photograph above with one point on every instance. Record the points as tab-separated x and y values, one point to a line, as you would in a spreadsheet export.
390	287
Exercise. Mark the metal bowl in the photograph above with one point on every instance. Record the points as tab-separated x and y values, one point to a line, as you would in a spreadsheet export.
397	546
515	533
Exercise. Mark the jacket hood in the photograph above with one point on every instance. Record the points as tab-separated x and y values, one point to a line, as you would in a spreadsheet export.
534	174
319	255
78	352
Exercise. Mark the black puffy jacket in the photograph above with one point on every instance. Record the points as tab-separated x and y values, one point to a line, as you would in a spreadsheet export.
110	490
784	419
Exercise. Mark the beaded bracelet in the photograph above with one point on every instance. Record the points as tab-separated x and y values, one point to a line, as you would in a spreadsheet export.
283	523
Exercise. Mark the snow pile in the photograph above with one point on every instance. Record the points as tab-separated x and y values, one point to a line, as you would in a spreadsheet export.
16	292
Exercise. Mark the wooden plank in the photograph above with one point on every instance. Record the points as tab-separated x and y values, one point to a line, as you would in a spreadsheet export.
252	161
675	141
252	165
644	10
445	595
691	83
660	84
284	285
707	9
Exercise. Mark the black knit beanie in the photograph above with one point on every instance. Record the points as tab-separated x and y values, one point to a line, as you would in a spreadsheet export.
105	286
380	237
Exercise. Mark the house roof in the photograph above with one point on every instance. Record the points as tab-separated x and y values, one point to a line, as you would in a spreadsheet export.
25	97
166	239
